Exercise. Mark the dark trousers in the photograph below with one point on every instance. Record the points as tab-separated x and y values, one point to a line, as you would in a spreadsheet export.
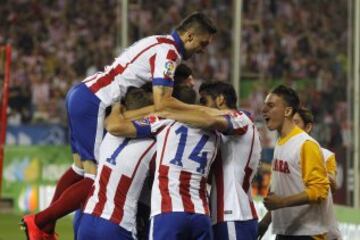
286	237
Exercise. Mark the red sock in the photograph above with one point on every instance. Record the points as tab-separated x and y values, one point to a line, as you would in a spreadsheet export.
70	200
67	179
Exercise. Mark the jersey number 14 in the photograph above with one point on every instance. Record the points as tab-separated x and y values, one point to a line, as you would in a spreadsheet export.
196	154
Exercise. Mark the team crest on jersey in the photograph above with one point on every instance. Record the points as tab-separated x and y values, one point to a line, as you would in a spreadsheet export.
152	119
143	122
169	69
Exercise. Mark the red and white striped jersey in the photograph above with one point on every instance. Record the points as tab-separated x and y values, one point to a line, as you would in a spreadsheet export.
153	59
123	166
182	166
233	171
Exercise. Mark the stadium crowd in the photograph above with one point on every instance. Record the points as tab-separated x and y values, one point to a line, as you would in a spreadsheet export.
58	43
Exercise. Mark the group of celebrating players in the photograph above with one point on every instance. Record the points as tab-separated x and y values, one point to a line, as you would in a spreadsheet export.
191	164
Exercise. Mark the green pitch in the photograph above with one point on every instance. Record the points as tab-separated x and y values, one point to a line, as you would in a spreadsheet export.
10	229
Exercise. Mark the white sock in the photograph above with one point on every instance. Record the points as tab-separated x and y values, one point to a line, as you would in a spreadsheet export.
77	170
89	175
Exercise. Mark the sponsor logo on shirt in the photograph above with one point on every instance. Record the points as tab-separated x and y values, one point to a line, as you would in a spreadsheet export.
281	166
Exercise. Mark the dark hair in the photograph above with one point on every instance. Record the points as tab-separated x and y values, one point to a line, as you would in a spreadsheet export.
218	88
197	21
136	98
147	87
306	115
185	94
107	111
289	95
182	72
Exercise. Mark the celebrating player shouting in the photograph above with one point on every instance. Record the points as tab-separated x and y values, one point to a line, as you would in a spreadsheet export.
299	183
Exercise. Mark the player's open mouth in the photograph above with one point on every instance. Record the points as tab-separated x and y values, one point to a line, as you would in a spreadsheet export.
266	118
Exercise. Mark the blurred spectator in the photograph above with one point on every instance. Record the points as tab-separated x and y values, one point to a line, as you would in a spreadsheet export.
54	44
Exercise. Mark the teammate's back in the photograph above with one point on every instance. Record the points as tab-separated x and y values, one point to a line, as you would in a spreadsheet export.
232	209
234	170
183	161
179	204
124	164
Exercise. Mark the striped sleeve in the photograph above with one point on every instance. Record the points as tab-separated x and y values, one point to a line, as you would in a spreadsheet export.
236	124
163	65
314	173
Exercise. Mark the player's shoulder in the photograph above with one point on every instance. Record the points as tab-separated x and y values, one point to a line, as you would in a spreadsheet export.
149	41
239	117
243	114
166	42
308	141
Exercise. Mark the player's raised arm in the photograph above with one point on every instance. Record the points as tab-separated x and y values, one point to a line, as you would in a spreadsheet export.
199	119
136	99
218	113
118	125
163	100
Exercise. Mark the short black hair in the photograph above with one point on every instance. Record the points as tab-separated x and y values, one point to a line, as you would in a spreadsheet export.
182	72
289	95
218	88
185	94
136	98
197	21
107	111
306	115
147	87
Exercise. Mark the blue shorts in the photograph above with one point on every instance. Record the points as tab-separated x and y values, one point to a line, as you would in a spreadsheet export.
96	228
86	121
76	222
179	226
236	230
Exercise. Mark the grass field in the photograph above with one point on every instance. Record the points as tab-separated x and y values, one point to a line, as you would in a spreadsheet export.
10	229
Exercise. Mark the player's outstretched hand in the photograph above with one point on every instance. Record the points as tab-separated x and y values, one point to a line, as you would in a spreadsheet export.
273	202
117	108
